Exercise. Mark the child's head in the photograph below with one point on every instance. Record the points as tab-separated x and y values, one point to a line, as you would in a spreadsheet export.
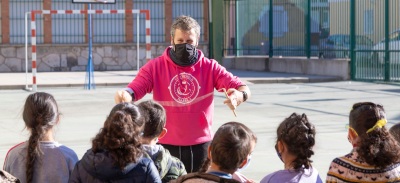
296	136
365	115
121	134
368	132
395	131
154	118
40	112
230	147
40	115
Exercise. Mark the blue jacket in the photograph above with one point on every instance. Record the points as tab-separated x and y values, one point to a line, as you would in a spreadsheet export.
99	167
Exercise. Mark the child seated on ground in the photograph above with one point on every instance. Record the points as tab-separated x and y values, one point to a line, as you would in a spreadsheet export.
395	132
238	175
229	150
5	177
41	158
294	146
375	156
168	167
116	154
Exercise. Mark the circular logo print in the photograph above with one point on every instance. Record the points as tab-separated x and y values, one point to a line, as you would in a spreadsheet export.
184	88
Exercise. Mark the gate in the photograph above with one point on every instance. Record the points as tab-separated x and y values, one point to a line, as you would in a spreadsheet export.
379	21
365	31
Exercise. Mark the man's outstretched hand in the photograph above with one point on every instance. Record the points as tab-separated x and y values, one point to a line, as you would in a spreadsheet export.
122	96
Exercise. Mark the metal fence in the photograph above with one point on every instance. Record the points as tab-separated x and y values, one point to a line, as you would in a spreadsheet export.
379	21
193	8
366	32
107	28
296	27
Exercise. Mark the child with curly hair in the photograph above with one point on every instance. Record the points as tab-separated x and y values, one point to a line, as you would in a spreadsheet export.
116	153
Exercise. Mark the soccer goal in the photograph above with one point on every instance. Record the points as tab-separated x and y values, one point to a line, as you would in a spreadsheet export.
33	33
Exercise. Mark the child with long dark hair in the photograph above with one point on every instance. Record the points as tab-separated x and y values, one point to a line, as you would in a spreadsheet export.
375	156
41	158
294	146
116	153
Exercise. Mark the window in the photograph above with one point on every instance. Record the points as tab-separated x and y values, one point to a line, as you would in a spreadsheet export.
368	21
280	22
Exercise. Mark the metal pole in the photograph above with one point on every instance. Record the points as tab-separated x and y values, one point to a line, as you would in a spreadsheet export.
89	68
271	28
26	50
387	54
308	29
352	38
137	41
90	47
210	31
236	29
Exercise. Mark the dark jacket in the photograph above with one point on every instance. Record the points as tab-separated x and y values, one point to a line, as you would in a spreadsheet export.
99	167
169	167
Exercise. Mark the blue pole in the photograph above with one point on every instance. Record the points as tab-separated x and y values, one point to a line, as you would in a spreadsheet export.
89	68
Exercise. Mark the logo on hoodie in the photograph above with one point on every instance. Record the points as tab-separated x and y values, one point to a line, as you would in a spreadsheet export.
184	88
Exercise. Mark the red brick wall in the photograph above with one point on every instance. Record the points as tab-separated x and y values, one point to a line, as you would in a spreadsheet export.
47	23
128	22
5	22
168	20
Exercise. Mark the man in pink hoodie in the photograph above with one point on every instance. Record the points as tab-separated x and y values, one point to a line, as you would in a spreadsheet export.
183	80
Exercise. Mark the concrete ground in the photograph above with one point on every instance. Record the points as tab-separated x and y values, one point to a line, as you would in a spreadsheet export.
326	104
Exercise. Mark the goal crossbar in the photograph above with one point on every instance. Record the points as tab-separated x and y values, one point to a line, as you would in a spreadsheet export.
33	34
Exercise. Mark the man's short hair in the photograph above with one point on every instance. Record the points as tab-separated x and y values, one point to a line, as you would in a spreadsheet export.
185	23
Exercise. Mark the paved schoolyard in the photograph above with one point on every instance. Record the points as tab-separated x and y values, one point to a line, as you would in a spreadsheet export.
326	104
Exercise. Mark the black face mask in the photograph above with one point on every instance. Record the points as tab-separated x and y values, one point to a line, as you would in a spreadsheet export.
184	51
184	54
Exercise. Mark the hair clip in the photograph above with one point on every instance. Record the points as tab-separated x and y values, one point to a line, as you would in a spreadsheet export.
379	124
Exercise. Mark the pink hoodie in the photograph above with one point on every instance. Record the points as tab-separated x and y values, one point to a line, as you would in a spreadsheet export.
186	93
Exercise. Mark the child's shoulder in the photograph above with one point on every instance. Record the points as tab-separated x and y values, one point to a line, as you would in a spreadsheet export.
16	148
202	177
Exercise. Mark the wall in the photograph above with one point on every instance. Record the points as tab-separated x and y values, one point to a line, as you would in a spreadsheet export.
324	67
252	63
75	57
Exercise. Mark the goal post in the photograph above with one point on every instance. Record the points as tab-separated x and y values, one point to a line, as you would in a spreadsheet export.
33	13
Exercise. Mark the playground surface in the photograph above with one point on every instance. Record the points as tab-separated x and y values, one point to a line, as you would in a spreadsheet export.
327	105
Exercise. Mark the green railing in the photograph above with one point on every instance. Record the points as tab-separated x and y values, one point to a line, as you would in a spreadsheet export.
366	32
292	28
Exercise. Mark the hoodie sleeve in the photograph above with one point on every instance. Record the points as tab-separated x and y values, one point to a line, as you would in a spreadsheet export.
152	174
143	82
